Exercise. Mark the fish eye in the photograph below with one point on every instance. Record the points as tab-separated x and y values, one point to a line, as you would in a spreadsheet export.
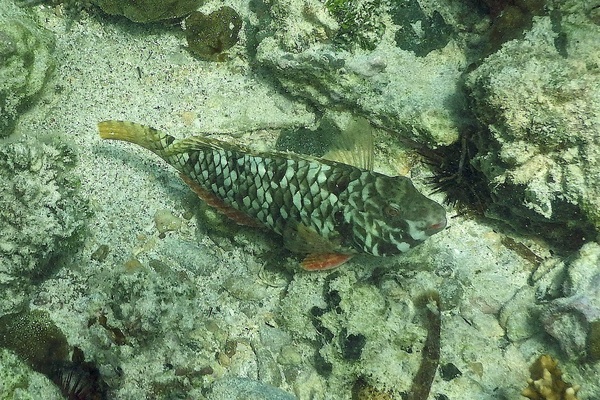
391	211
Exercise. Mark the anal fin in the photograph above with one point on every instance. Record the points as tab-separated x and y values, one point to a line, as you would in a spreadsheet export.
324	261
214	201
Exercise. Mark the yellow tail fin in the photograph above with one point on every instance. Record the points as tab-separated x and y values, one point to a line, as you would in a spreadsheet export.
145	136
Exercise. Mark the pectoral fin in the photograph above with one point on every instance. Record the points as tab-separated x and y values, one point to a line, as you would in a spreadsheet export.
322	253
299	238
324	261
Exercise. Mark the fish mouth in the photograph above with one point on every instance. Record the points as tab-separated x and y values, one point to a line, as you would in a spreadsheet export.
435	228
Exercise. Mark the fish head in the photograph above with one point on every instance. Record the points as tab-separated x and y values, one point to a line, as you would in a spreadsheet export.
395	217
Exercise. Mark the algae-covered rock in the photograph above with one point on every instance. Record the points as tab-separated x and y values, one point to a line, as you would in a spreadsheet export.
247	389
395	78
17	381
419	32
361	22
209	35
26	61
541	110
357	328
148	10
41	212
574	320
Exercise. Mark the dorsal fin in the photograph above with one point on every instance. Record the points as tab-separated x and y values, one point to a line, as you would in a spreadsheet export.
354	146
203	143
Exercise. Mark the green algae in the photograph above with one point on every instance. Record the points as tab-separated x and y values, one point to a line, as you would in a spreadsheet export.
210	35
360	22
434	32
148	10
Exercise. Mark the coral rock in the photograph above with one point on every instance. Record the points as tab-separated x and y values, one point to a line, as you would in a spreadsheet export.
25	63
574	320
41	213
540	142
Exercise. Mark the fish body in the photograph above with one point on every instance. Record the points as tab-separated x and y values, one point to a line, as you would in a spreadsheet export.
326	209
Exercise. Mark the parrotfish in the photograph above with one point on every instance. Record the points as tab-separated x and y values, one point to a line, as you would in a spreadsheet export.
324	209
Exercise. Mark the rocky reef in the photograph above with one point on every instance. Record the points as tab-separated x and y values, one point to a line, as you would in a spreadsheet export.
404	87
26	60
573	319
489	101
42	213
541	135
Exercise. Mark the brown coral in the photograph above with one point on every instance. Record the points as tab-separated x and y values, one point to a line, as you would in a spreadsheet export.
546	382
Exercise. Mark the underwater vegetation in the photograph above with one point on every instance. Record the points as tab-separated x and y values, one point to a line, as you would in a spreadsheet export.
148	10
34	337
360	22
210	35
433	31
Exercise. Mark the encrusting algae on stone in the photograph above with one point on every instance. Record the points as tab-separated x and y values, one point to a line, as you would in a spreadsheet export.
329	210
